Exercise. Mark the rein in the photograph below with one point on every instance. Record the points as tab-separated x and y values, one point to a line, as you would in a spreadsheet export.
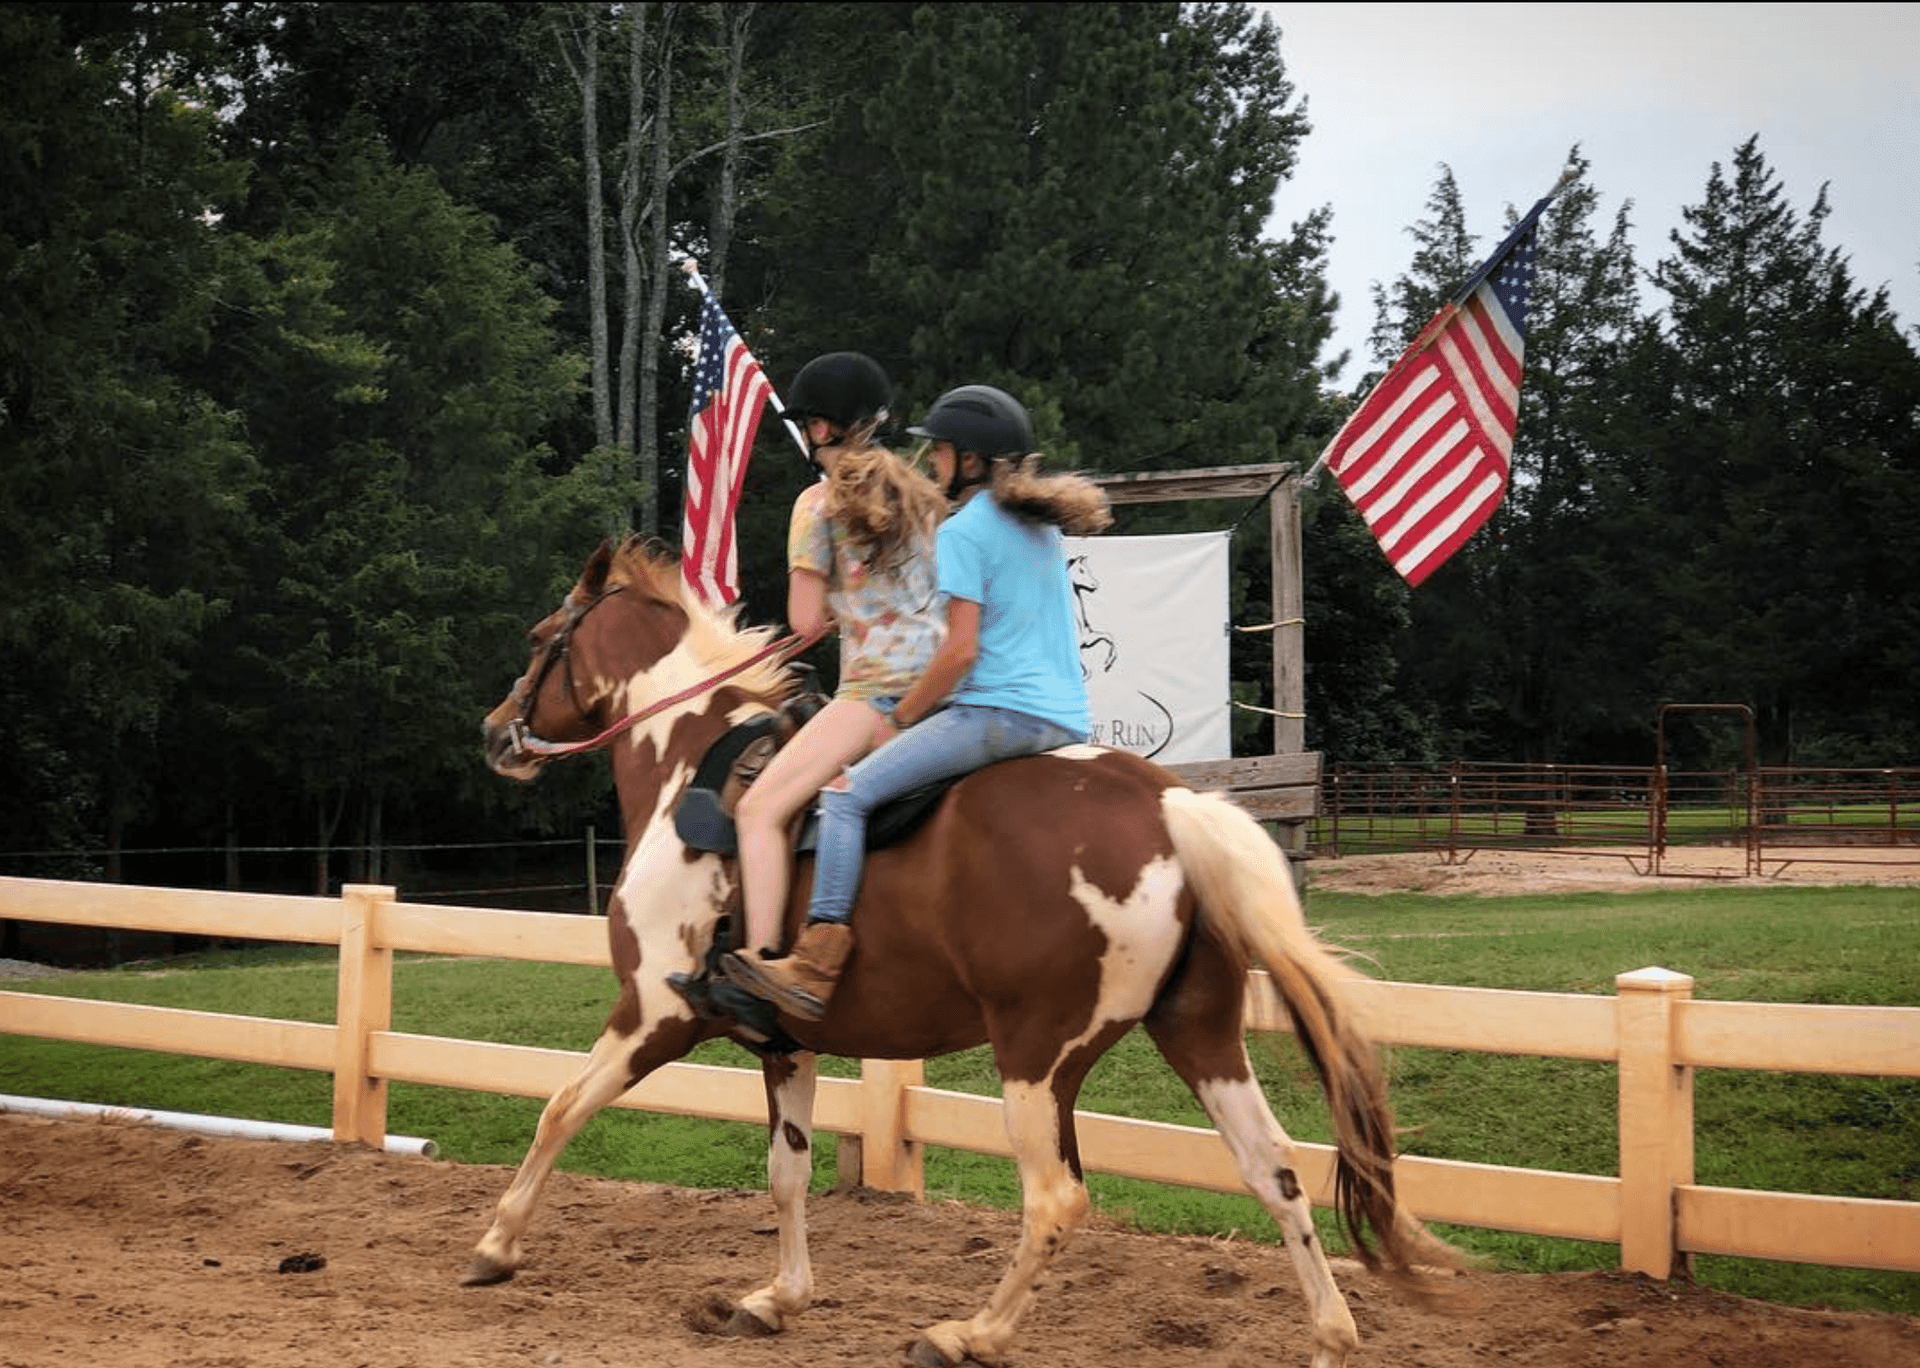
526	742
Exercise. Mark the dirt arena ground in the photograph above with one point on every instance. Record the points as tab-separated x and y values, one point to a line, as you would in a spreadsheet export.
1494	873
139	1247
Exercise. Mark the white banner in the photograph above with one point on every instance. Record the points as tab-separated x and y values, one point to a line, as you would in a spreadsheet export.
1152	613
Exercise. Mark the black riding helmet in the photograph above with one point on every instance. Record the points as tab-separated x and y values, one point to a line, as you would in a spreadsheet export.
978	418
845	388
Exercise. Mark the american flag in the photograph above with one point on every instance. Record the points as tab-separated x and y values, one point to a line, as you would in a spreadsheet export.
1426	456
729	389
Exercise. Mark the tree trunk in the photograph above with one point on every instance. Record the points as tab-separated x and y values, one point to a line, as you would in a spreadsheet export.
233	852
584	39
372	856
658	269
630	209
321	834
325	825
726	201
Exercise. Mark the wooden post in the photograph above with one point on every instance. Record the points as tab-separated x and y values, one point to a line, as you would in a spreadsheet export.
847	1163
889	1161
1656	1120
1289	614
1279	484
365	1005
1289	653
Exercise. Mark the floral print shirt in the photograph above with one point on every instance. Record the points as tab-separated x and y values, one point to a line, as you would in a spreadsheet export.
890	620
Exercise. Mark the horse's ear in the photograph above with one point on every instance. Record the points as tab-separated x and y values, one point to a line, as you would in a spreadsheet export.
593	579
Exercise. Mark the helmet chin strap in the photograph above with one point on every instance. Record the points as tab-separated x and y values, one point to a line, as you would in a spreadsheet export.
815	448
958	484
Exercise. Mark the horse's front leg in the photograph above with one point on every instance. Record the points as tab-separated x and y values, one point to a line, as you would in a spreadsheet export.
790	1088
624	1054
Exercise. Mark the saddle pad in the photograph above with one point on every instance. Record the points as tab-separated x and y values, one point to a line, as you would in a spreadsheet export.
704	823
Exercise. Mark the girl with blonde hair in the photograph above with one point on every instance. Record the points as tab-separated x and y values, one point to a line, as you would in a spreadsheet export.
860	558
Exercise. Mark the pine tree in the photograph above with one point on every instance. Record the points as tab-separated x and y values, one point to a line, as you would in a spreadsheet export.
127	486
1789	444
396	370
1070	202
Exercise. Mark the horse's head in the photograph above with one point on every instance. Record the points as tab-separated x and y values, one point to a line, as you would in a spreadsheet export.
627	634
611	625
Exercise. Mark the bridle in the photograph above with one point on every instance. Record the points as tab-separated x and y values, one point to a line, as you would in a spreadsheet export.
559	652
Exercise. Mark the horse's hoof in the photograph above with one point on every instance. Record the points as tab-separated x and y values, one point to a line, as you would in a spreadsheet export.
484	1272
743	1324
924	1353
720	1317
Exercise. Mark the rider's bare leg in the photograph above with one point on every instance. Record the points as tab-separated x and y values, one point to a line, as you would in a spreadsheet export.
839	734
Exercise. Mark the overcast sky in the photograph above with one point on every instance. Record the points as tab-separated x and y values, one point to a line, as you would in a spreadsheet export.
1654	94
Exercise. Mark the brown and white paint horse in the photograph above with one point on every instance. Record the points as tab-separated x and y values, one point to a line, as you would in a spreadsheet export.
1048	906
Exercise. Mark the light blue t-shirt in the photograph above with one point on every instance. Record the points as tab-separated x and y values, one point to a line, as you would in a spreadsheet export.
1016	571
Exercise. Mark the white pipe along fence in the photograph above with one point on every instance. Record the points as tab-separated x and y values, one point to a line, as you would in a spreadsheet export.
239	1127
1652	1030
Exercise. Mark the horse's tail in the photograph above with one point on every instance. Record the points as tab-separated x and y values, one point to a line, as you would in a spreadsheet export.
1246	896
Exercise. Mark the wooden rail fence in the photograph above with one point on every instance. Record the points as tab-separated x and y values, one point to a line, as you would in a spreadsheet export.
1653	1030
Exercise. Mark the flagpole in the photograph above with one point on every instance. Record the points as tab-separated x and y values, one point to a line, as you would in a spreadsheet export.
694	279
1526	221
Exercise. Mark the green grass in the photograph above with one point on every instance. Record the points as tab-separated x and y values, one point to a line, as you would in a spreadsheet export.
1805	1133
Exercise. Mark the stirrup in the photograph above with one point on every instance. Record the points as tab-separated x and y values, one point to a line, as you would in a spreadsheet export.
751	1019
697	989
745	974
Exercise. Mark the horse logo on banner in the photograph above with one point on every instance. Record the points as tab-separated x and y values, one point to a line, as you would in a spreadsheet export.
1152	617
1091	641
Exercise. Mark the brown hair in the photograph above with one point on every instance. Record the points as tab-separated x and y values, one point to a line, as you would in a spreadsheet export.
1073	503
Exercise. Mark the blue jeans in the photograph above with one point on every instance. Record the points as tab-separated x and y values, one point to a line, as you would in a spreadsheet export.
956	741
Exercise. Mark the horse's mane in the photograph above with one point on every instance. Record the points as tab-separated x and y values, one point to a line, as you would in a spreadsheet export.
713	636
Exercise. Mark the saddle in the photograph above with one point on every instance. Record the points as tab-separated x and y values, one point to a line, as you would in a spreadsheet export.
703	819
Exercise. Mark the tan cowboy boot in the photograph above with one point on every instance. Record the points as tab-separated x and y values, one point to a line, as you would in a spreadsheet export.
802	983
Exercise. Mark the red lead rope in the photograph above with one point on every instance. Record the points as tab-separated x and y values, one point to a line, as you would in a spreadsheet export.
786	647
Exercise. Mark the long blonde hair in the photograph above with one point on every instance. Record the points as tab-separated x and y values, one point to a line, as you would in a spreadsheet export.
880	501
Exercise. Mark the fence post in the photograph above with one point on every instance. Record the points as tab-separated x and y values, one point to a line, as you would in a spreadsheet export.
889	1162
1453	814
365	1005
1656	1120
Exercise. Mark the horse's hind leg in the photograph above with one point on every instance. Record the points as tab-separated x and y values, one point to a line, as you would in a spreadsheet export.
1196	1026
614	1064
1053	1204
790	1087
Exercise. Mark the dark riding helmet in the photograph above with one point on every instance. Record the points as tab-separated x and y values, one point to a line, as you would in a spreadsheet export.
978	418
845	388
